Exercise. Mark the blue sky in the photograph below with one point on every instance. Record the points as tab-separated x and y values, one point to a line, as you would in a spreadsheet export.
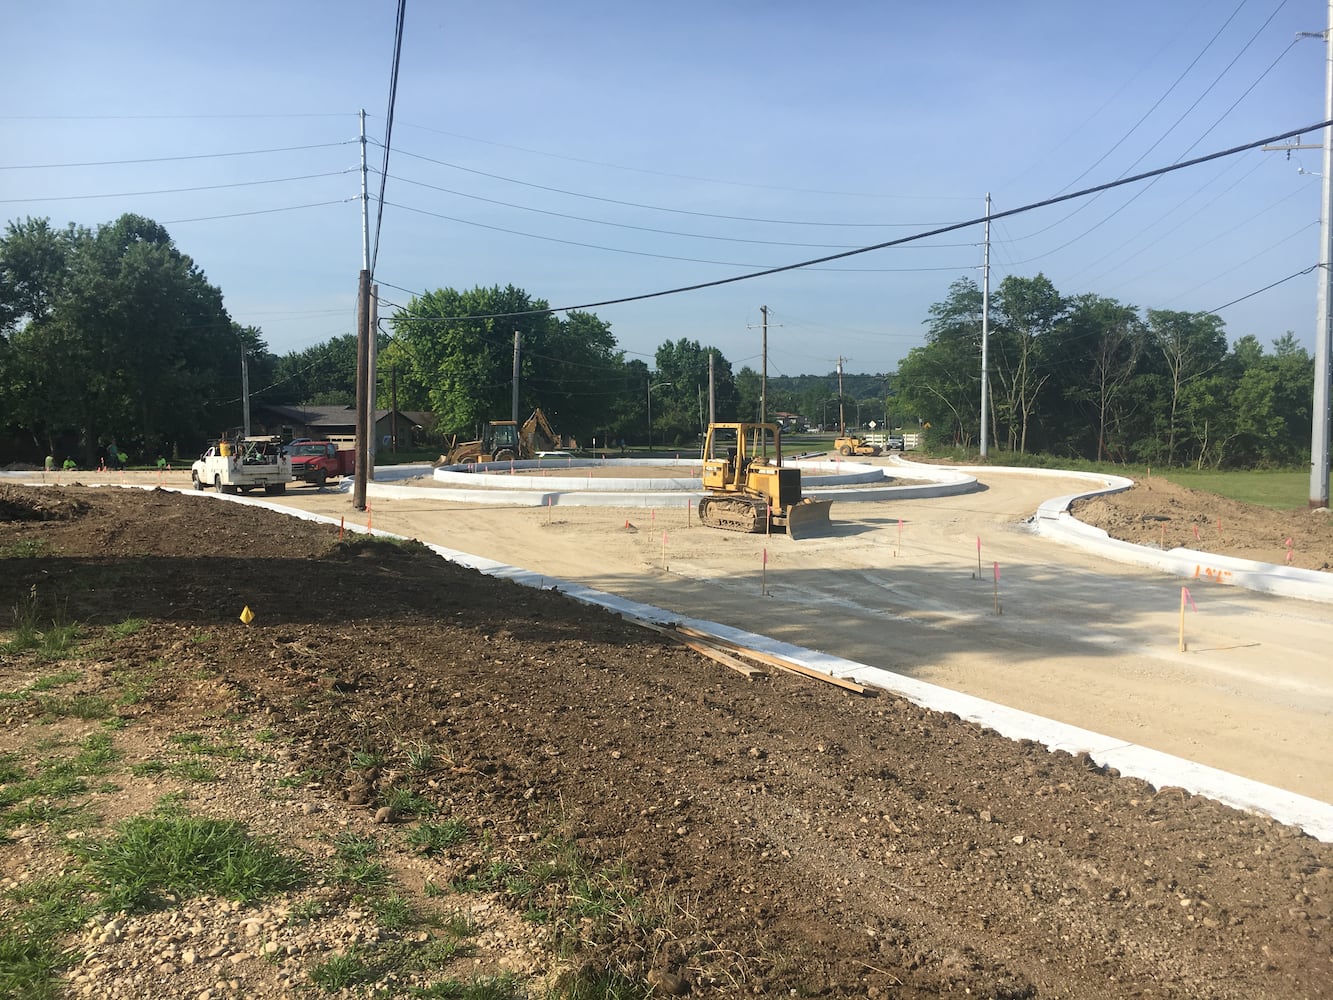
590	151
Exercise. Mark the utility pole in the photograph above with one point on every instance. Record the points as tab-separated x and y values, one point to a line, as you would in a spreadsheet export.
985	335
841	420
362	365
513	415
712	389
363	427
393	401
245	392
763	377
372	379
1320	417
1323	347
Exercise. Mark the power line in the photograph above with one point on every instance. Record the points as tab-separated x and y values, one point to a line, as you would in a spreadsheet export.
258	211
173	159
180	190
954	227
683	177
113	118
1260	291
388	127
646	253
662	208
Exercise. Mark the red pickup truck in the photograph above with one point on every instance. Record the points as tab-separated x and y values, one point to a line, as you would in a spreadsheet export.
319	461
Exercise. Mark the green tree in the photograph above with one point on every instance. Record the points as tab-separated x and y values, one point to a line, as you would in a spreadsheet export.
940	382
682	374
114	334
457	348
1190	347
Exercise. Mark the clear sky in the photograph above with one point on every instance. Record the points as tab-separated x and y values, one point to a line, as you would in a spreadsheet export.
586	151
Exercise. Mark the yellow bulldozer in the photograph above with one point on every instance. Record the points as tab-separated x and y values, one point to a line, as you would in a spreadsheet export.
504	441
749	489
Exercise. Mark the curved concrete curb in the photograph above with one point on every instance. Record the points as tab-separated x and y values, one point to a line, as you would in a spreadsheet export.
1053	520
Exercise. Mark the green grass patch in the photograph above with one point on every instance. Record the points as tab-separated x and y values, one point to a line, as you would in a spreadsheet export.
52	681
89	707
31	953
504	987
128	627
168	852
433	837
1282	489
24	548
341	972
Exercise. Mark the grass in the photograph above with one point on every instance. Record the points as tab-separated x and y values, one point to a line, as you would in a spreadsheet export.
170	853
433	837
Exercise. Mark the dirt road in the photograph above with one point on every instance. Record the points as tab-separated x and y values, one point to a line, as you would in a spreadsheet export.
1077	639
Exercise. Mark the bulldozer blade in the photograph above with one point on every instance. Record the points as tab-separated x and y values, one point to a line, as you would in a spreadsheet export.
809	519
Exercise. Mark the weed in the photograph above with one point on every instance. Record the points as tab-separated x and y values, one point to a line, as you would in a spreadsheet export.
601	985
364	759
393	911
51	681
410	803
128	627
431	838
149	768
354	864
491	878
505	987
340	972
309	909
10	771
169	852
85	706
193	770
24	548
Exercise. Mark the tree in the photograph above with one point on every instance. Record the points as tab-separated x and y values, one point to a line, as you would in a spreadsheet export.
457	348
1190	345
1028	311
114	334
940	382
1100	346
676	407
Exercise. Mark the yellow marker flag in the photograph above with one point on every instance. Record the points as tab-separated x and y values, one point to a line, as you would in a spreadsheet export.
247	616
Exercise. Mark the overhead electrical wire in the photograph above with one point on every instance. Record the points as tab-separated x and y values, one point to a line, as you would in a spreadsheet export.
388	127
180	190
626	225
683	177
662	208
1260	291
953	227
648	253
174	159
258	211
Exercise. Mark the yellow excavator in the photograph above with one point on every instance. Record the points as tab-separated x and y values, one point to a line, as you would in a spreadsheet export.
504	441
749	489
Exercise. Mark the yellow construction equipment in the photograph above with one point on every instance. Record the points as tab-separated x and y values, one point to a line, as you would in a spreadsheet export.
854	444
504	441
749	489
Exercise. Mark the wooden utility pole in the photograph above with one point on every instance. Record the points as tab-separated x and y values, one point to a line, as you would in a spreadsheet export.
372	380
763	376
513	415
363	426
985	337
393	401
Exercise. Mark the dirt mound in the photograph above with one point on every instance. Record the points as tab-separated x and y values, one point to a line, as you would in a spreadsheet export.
1161	514
22	504
789	839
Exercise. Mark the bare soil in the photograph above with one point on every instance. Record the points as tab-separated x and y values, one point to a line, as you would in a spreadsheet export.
1159	513
802	841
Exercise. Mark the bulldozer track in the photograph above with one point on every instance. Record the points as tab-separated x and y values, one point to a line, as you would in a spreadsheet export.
732	514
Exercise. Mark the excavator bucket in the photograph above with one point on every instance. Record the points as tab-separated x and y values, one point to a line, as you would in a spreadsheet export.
809	519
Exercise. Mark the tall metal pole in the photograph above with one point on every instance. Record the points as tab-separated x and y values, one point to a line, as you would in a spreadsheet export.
650	413
1322	354
985	336
842	420
763	377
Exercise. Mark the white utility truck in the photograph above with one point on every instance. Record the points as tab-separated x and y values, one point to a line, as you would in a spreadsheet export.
249	463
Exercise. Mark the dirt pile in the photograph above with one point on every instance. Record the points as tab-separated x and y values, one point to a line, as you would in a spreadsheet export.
1161	514
789	838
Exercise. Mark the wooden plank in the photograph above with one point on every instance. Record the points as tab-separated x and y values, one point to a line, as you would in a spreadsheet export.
704	649
779	662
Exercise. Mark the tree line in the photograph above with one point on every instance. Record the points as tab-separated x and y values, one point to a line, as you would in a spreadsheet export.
1088	376
113	335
